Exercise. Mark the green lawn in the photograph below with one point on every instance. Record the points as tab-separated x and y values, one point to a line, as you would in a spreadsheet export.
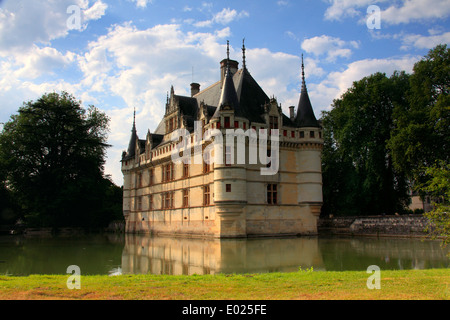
302	285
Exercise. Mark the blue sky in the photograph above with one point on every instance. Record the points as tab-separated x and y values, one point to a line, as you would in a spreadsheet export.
126	54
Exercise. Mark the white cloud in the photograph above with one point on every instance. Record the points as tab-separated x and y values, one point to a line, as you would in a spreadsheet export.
26	23
416	10
142	3
405	11
96	11
40	61
330	47
424	42
336	83
340	9
223	17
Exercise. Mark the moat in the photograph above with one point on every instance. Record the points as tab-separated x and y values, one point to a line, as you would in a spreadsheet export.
140	254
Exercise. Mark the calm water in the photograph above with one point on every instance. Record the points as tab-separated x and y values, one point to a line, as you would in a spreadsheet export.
112	254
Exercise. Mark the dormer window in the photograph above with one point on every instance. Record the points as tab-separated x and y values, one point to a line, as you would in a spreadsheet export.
273	122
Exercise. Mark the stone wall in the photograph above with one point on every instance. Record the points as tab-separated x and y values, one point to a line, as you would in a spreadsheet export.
406	225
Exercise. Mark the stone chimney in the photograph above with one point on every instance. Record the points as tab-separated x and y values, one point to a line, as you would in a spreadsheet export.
292	113
234	65
195	88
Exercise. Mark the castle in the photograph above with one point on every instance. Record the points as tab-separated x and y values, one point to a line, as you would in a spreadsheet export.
229	198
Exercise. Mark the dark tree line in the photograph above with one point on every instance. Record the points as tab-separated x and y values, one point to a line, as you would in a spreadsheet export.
383	134
52	155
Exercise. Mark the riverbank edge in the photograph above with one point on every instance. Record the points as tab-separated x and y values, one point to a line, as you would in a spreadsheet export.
429	284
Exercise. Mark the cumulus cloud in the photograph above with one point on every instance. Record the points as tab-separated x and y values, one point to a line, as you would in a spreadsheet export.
26	23
142	3
416	10
336	83
424	42
396	13
96	11
330	47
223	17
340	9
39	61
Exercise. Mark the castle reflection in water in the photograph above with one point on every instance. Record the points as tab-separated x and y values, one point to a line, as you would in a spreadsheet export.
180	256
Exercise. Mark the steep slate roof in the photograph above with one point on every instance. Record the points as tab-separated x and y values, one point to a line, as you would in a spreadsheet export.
251	97
131	151
243	93
305	115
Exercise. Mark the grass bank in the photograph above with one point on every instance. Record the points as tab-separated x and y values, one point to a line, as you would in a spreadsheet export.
303	285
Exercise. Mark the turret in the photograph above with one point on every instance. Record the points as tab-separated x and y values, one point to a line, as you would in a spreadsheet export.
309	162
230	188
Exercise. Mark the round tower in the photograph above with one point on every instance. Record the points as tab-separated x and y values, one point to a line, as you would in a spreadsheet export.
230	188
309	156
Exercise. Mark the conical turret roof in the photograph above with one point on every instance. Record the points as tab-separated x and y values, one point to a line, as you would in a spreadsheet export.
132	145
305	115
228	97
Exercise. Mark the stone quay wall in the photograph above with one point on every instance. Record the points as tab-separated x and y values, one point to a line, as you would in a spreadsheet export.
406	225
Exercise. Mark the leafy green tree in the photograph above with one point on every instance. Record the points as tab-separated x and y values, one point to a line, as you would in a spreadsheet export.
358	173
438	187
421	134
54	152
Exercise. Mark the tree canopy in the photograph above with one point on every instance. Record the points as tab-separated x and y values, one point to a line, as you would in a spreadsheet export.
382	136
52	155
421	134
358	173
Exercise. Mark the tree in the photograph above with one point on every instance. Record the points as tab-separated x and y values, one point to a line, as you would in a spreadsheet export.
358	173
421	135
54	152
438	187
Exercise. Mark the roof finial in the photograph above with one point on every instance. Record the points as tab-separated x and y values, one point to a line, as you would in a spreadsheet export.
303	75
228	50
134	120
243	54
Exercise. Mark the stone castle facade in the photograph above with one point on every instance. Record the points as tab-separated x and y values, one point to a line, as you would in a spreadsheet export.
225	199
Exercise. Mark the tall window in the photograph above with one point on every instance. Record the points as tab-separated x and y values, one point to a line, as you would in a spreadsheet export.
151	179
171	125
227	122
206	195
273	122
139	204
168	200
206	164
311	134
185	170
185	198
168	172
272	197
150	202
139	180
